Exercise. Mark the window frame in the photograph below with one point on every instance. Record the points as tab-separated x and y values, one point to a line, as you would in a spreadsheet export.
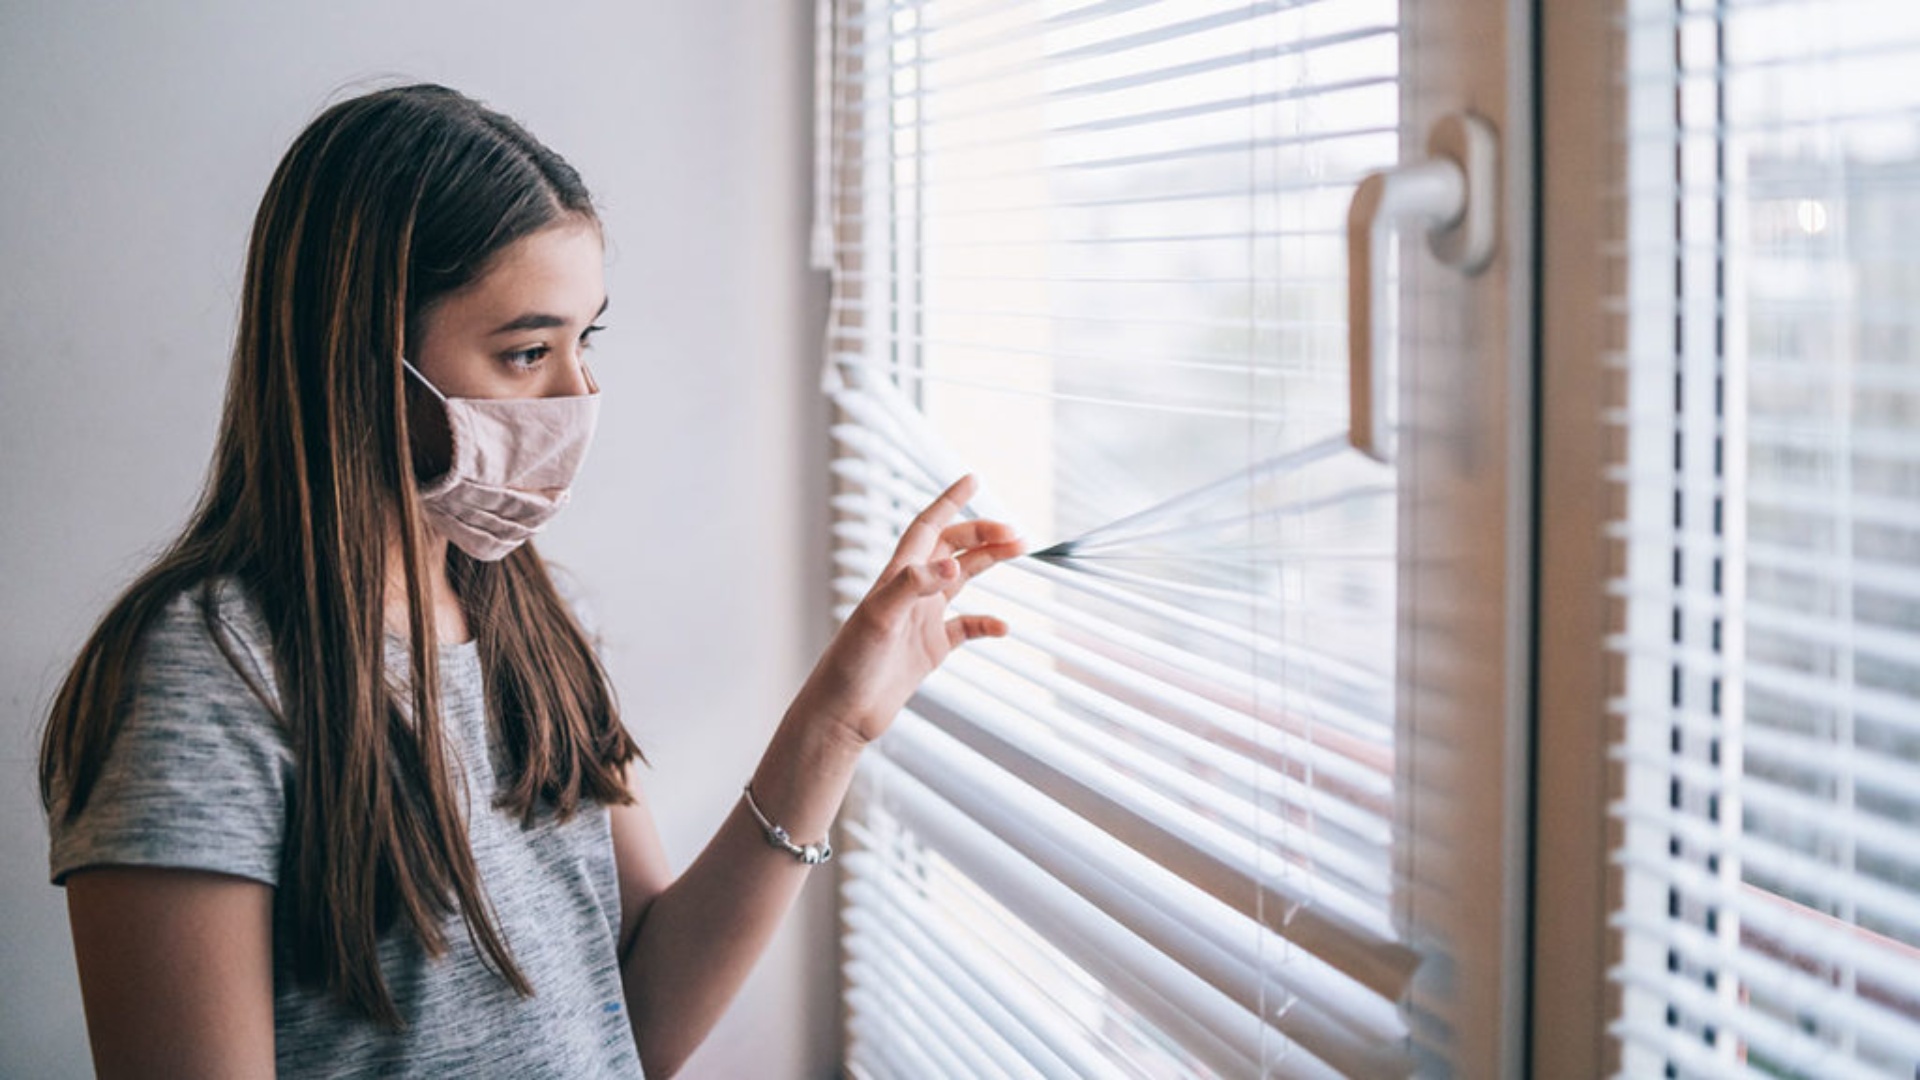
1570	945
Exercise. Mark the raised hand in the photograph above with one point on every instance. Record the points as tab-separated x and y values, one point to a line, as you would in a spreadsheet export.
900	632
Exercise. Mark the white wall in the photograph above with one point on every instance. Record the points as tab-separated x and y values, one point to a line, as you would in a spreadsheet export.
135	141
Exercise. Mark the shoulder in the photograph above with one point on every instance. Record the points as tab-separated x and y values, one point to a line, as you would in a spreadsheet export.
196	772
209	638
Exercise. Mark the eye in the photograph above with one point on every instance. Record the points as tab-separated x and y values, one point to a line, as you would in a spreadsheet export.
586	336
528	358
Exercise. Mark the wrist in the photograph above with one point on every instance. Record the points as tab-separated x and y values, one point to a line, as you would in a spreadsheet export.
777	835
801	780
833	721
811	741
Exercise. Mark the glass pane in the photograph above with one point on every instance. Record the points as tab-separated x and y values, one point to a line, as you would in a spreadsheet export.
1114	282
1777	146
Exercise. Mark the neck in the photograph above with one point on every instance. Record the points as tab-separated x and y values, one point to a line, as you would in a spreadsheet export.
449	621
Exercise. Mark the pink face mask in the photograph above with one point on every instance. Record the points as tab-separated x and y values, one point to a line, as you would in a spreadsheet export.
514	460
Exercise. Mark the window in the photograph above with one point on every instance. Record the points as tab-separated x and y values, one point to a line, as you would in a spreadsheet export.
1095	253
1247	792
1769	737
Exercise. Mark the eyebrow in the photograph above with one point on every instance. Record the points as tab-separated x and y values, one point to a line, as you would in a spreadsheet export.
534	320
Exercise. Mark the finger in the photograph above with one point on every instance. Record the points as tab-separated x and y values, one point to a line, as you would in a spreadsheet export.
919	539
924	579
965	628
966	535
979	559
915	581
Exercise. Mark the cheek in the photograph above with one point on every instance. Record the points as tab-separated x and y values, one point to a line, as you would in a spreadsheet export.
430	437
451	353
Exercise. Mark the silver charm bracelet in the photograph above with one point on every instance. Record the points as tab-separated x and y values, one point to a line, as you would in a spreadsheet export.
777	835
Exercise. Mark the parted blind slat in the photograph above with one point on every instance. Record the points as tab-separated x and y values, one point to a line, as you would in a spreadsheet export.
1360	768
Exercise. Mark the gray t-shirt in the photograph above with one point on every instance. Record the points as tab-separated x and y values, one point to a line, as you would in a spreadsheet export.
199	777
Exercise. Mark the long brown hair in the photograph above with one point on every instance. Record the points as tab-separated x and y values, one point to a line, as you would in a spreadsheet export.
385	204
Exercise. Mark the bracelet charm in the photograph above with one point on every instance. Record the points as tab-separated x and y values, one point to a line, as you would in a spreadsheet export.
777	836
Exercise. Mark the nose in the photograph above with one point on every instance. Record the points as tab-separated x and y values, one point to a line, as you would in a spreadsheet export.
575	379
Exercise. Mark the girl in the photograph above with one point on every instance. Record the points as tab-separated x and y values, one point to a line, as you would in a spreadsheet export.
338	785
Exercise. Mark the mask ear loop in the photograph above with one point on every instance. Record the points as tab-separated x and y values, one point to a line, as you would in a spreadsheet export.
423	380
452	428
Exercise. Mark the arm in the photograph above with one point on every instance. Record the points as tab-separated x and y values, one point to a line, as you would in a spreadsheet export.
176	970
688	945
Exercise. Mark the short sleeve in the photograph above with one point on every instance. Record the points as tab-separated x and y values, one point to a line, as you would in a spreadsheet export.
198	775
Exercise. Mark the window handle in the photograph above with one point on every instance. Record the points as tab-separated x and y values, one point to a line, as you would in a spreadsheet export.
1451	192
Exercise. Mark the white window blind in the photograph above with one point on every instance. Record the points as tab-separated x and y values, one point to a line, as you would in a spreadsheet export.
1769	737
1092	251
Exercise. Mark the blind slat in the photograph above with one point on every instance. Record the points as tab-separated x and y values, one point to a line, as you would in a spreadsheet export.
1012	1011
1781	982
1295	1019
1362	688
1135	78
1809	564
1352	763
846	309
1811	879
1068	1005
1826	757
1854	505
1210	1025
954	1026
1799	931
1266	753
1313	844
907	1047
1122	121
1339	929
1783	621
1887	837
1051	23
1269	789
1304	913
1767	1036
1807	689
1697	1059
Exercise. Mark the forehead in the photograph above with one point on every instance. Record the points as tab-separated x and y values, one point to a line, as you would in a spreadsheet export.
559	270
